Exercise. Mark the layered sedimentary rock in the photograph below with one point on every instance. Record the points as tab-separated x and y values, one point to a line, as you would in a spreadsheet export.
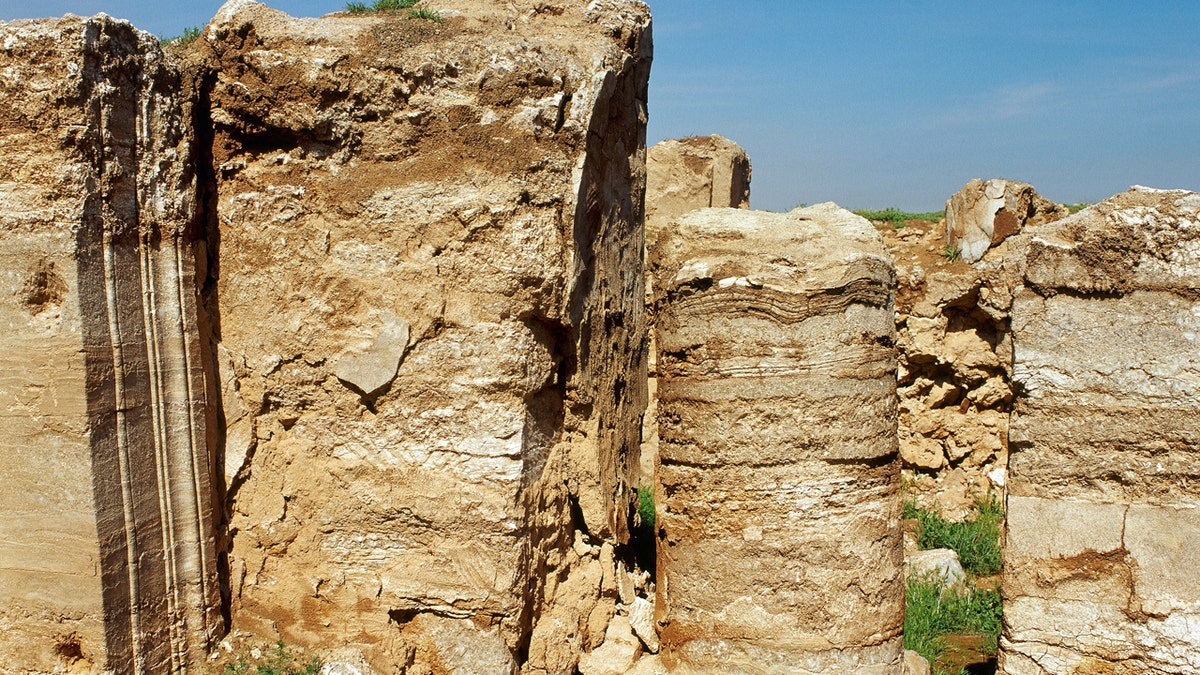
982	215
108	559
1104	471
778	481
684	175
426	287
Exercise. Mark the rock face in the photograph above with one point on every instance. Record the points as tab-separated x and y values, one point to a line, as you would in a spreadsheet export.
681	176
982	215
779	518
1103	506
106	512
693	173
425	243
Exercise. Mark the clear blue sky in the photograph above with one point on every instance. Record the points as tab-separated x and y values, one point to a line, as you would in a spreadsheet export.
875	104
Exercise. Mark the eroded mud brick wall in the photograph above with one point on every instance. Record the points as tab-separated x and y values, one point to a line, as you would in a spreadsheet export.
429	313
108	553
1104	466
778	481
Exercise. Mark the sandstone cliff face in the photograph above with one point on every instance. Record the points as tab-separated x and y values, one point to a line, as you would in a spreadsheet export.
779	542
425	284
109	558
1102	508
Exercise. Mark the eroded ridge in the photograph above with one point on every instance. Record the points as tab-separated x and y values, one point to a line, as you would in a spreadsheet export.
1104	483
779	547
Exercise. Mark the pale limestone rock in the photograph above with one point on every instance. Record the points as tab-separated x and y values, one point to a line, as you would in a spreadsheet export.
915	664
777	400
108	561
375	367
937	564
1102	509
982	215
641	618
459	647
618	653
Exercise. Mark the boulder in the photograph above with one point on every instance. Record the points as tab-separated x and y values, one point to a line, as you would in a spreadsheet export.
1103	516
693	173
779	522
982	215
940	565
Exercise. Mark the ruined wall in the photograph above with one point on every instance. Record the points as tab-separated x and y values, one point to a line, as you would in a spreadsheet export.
109	555
778	481
1104	471
425	285
693	173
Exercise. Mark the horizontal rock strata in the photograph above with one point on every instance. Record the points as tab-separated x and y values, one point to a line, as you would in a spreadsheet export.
779	539
1104	473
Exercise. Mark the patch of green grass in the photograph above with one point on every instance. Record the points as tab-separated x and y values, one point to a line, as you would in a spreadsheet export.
645	506
897	217
189	34
427	14
277	661
931	612
1077	207
977	541
356	7
392	5
951	253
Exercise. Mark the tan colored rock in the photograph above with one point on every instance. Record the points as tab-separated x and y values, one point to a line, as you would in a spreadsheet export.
618	653
425	241
982	215
915	664
693	173
780	518
108	560
1102	510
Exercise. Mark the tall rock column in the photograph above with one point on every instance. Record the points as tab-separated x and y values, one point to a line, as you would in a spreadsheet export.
108	555
778	482
428	299
1104	466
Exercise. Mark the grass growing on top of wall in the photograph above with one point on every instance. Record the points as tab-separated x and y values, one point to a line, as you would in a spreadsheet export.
180	41
379	6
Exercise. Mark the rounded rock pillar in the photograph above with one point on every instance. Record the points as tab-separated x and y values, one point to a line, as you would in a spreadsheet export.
779	545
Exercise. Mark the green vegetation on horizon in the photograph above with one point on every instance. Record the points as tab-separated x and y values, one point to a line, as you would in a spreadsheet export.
897	217
1077	207
379	6
189	34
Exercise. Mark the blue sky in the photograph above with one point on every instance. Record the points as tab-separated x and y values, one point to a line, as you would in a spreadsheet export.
874	104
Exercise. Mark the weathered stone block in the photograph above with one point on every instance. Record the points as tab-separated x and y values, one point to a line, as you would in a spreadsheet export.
779	537
1104	464
426	249
109	557
982	215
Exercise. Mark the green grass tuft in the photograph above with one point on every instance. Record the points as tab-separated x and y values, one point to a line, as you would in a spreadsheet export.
645	506
189	34
277	661
976	541
931	612
356	7
427	14
951	253
1077	207
392	5
897	217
